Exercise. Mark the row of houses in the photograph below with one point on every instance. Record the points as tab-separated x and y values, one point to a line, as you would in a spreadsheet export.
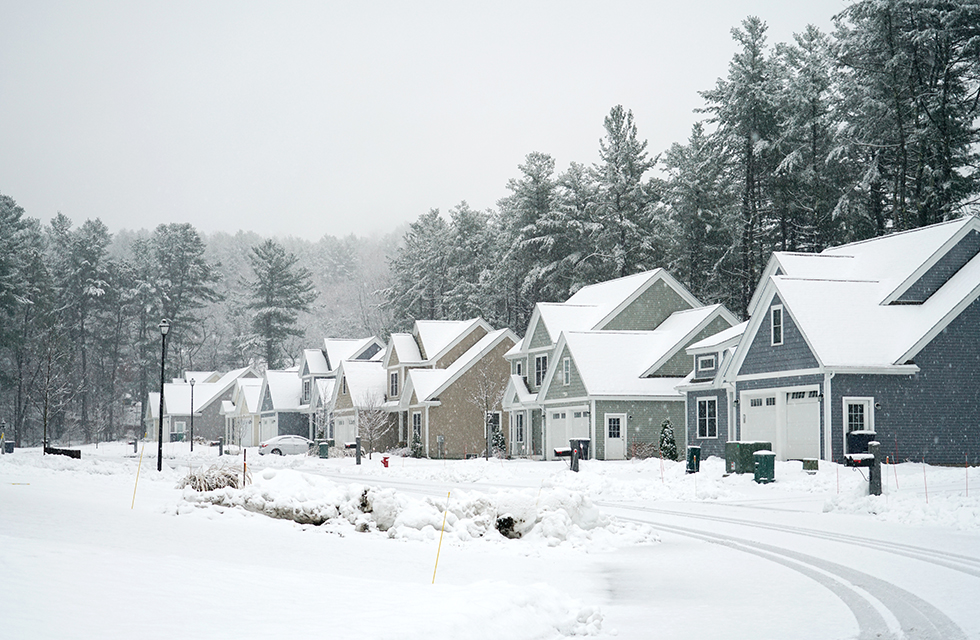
879	335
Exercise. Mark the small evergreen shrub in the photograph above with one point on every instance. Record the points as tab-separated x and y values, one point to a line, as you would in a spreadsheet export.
668	446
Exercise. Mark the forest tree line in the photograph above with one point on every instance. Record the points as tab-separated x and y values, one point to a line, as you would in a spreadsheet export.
829	139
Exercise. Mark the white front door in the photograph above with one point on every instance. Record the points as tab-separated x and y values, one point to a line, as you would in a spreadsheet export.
615	436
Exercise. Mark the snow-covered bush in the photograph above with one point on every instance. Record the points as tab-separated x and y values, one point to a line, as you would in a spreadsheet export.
668	446
214	477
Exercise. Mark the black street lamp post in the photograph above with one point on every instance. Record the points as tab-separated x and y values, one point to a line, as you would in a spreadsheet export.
164	329
192	415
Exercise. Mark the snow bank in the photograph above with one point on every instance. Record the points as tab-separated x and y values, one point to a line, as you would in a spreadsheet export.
550	516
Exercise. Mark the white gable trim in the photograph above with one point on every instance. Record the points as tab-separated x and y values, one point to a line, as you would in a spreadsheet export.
658	275
549	375
973	224
940	326
721	311
506	333
762	319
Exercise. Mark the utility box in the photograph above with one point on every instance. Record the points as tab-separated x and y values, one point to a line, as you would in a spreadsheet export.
765	466
738	455
693	459
324	449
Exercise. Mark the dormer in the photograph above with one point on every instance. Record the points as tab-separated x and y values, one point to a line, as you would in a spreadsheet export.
937	271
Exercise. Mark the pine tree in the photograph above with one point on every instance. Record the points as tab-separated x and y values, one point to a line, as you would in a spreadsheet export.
416	448
279	292
668	446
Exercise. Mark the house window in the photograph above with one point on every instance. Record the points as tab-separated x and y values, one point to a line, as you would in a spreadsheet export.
707	417
755	402
797	395
519	427
566	371
343	386
394	385
777	325
540	368
771	401
706	363
180	426
417	425
614	426
519	368
858	414
306	391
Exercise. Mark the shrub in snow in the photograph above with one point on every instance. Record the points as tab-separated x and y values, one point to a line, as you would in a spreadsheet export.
213	477
497	443
668	446
416	446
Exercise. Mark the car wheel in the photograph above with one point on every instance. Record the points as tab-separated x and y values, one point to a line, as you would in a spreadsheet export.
276	452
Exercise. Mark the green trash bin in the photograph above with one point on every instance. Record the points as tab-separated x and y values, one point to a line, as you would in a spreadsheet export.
738	455
324	449
693	459
765	466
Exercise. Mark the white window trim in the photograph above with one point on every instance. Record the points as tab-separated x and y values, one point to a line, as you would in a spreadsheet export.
540	373
697	417
566	371
393	384
869	413
419	414
772	325
701	363
520	426
622	424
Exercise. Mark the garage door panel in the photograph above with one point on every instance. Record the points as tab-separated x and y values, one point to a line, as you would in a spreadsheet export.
802	426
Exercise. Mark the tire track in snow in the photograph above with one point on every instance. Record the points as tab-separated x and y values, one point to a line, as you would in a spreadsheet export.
857	590
969	565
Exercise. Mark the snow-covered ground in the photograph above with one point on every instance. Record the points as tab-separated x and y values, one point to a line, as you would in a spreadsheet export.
634	549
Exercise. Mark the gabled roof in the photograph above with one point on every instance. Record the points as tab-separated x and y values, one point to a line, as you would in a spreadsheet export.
246	395
722	340
405	346
427	384
595	306
285	389
516	396
337	350
844	313
613	363
322	392
436	337
177	395
682	326
201	376
314	362
366	382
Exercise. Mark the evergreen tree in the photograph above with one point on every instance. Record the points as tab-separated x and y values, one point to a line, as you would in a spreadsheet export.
418	273
279	292
668	446
416	450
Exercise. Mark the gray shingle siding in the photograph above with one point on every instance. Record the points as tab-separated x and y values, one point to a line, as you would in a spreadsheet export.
709	446
933	415
792	355
700	373
944	269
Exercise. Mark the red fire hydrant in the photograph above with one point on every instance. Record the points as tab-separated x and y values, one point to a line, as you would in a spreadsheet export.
384	461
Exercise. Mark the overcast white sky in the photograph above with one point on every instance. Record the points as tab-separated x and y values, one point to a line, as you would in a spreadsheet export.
306	118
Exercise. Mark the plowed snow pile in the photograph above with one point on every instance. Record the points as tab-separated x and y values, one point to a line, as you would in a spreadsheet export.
551	516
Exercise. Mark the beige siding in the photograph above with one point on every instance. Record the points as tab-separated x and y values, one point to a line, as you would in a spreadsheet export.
459	418
451	356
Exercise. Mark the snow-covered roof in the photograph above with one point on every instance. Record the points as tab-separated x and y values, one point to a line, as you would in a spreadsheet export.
285	388
247	393
728	337
227	408
366	381
612	363
201	376
426	384
516	396
436	336
316	362
153	404
405	346
839	299
338	349
177	395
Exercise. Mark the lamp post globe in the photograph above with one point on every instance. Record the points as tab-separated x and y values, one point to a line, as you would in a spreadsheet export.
164	330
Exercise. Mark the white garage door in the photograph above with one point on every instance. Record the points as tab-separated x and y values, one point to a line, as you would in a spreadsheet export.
759	419
802	425
564	424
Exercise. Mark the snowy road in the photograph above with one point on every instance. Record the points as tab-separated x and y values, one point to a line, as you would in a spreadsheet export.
805	558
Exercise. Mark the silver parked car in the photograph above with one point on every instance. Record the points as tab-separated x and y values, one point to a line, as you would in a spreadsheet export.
281	445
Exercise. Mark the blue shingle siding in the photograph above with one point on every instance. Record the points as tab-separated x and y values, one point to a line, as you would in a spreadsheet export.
793	354
709	446
933	415
944	269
